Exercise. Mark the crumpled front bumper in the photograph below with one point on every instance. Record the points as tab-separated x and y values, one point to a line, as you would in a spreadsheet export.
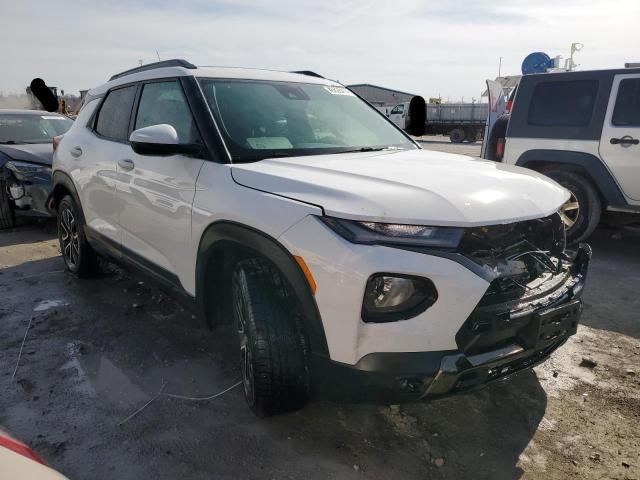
37	190
411	376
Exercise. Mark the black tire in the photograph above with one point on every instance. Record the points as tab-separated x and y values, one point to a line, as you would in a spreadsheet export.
471	136
456	135
582	212
79	257
273	347
7	218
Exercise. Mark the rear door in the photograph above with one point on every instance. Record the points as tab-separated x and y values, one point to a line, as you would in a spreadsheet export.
96	154
620	142
158	195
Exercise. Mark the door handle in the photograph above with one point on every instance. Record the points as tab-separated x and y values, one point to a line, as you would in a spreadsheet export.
626	140
126	164
75	152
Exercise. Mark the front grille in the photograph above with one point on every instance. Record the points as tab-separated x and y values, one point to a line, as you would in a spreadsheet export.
520	256
527	262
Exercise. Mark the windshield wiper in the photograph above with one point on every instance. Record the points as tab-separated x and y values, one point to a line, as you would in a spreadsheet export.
10	142
369	149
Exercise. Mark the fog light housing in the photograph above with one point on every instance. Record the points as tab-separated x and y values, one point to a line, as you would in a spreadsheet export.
391	297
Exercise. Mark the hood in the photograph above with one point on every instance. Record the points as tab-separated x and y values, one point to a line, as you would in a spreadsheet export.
411	187
41	153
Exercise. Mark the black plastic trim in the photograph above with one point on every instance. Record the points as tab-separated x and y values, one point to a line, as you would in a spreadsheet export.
541	160
518	123
250	239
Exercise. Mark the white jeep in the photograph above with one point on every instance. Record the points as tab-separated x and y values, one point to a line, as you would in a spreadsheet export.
355	265
581	129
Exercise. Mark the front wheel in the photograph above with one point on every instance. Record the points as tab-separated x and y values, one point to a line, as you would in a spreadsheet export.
456	135
273	349
581	213
79	257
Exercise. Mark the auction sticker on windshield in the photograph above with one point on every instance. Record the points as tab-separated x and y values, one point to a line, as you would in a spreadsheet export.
338	91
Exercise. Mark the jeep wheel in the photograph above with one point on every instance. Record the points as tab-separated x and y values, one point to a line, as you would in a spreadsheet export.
273	350
7	218
581	213
78	255
456	135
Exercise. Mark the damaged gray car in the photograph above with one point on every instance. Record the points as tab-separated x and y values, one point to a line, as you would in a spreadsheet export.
26	153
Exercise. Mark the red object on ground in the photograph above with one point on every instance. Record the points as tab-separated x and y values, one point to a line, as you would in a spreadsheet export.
20	448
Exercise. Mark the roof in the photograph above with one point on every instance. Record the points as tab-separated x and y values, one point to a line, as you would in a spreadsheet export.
209	72
18	111
381	88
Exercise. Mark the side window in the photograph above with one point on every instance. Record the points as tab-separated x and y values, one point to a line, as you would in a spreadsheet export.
113	117
563	104
398	109
164	102
627	109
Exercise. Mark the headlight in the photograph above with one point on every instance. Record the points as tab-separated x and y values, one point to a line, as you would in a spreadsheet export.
390	297
24	170
398	234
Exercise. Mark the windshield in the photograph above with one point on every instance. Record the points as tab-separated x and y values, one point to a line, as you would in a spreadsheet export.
266	119
17	128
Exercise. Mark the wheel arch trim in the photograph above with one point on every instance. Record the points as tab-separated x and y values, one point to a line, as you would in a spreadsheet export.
247	237
591	165
62	179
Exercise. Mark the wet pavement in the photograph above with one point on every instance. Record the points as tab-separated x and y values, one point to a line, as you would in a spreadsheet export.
99	349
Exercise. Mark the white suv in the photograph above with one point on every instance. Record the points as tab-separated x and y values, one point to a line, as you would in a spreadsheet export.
355	265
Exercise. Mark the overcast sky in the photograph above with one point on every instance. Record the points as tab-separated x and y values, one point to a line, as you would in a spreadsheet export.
420	46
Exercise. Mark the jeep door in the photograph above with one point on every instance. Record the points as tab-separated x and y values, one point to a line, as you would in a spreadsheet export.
157	200
620	142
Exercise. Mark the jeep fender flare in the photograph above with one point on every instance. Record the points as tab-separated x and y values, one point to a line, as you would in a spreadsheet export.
247	238
581	162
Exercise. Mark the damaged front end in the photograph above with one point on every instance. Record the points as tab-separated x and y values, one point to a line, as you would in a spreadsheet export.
28	185
532	305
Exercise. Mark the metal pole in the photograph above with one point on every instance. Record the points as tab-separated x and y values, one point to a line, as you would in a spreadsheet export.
500	67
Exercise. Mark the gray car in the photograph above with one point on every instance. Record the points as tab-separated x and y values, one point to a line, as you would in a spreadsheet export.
26	152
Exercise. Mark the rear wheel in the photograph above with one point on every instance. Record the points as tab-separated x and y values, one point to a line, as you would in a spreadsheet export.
471	136
273	349
78	255
581	213
456	135
7	218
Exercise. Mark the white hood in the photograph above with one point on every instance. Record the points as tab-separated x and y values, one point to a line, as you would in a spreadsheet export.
411	187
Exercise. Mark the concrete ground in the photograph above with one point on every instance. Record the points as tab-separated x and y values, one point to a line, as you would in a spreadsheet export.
99	349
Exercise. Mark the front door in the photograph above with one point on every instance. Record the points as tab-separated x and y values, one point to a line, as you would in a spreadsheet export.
397	115
157	197
620	142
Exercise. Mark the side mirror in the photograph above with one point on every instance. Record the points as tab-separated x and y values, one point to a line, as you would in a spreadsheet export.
160	139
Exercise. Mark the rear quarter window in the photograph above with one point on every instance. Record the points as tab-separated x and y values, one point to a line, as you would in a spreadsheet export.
627	109
563	104
115	113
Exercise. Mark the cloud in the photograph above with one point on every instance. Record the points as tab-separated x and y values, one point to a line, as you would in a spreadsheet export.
431	48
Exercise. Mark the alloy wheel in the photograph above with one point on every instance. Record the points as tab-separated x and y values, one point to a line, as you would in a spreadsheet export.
69	238
570	211
246	353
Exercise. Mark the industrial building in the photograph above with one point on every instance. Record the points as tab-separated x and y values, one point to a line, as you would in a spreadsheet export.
381	96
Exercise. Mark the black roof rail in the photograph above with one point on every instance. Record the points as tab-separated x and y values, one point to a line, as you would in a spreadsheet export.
175	62
308	72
